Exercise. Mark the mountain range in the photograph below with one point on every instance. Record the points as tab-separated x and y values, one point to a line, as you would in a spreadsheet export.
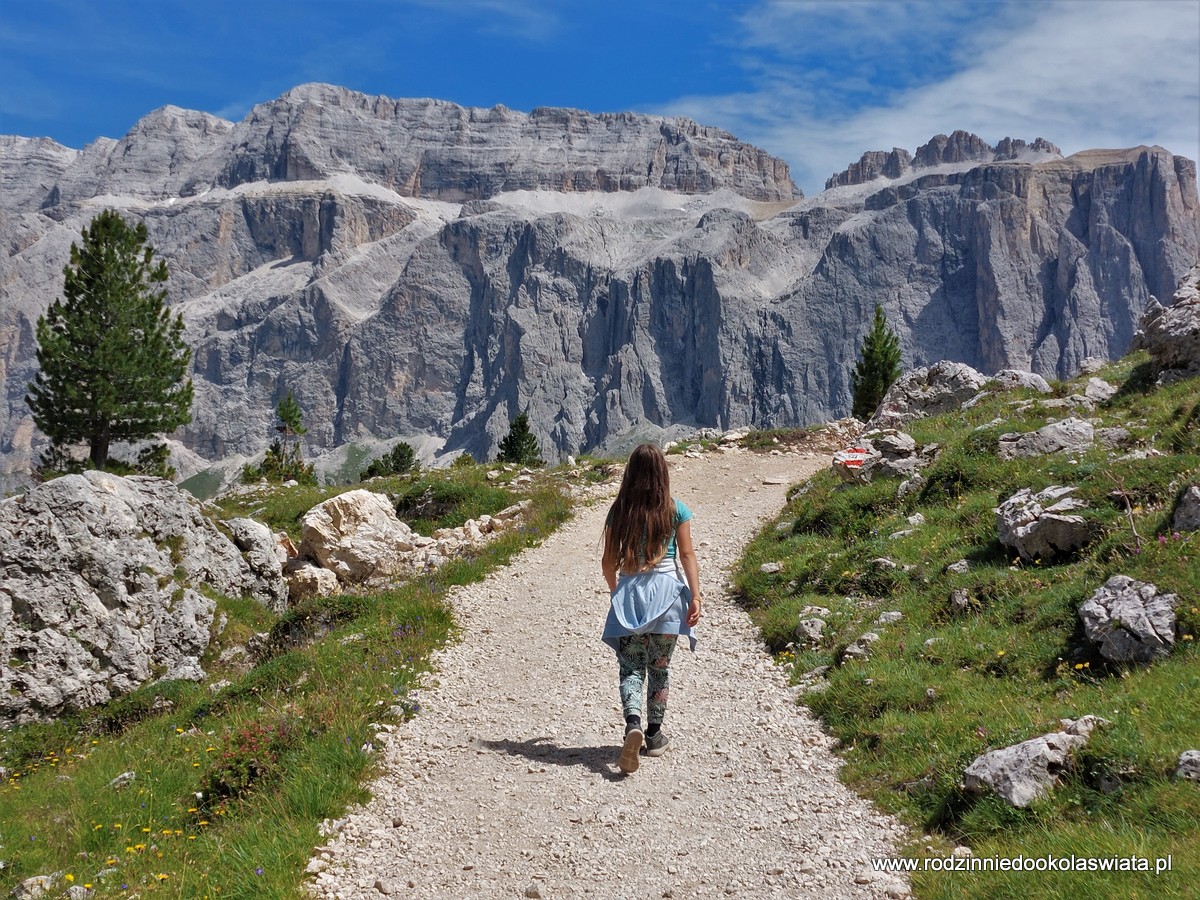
415	269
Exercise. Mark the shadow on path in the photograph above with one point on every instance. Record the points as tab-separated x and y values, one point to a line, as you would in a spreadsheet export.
600	760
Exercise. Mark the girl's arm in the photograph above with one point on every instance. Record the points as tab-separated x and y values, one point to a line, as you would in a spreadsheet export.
609	567
691	570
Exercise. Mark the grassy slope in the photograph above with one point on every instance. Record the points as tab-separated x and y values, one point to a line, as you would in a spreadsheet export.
941	688
274	752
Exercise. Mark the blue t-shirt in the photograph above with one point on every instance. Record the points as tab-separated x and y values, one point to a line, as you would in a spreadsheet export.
682	514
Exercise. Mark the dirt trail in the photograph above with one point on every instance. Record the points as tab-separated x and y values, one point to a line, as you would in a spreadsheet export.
506	783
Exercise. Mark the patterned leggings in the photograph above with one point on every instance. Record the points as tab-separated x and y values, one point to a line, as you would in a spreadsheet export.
636	655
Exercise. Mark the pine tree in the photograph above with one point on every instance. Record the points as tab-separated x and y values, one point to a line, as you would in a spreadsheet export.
284	458
877	369
520	446
111	356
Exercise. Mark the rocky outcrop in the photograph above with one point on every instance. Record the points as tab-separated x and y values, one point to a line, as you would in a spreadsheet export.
355	538
959	147
1042	526
928	391
1067	436
418	148
355	535
1187	511
99	590
1172	334
1132	621
1026	771
322	246
1188	766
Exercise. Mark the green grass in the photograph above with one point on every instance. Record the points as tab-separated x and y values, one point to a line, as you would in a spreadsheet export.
944	686
308	709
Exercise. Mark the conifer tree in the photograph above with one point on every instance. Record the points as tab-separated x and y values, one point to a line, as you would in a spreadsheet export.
284	459
520	445
877	369
111	356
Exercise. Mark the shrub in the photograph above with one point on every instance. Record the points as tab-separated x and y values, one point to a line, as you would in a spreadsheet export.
401	460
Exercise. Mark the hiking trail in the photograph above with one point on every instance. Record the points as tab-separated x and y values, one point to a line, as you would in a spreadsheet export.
506	782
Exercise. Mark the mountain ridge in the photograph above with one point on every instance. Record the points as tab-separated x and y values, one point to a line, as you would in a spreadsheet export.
607	314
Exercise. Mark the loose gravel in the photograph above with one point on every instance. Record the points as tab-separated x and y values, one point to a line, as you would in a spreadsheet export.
506	784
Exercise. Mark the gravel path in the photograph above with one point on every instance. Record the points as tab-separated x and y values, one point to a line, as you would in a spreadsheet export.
506	784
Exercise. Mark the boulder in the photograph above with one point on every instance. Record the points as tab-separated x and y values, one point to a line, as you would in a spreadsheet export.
861	647
1098	390
1071	435
1040	526
942	387
99	579
1171	334
1011	379
850	463
1132	621
1026	771
810	630
355	535
306	580
1188	767
1187	511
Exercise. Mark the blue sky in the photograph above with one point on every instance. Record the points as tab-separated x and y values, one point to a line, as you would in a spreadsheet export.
816	83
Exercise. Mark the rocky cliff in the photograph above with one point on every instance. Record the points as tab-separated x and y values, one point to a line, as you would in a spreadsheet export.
413	267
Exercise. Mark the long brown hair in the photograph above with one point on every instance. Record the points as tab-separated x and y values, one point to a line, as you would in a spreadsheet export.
642	517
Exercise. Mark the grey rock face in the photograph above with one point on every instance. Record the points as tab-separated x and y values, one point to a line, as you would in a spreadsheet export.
98	590
1172	334
1187	511
1010	379
1041	526
1130	620
1026	771
959	147
412	268
257	543
810	630
1188	767
928	391
1069	435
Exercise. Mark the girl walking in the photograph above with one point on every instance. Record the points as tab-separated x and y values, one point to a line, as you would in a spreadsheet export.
647	544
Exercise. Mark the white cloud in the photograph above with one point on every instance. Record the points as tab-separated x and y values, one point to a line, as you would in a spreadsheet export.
1080	74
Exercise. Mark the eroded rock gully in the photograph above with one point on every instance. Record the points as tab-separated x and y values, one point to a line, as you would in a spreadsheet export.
506	783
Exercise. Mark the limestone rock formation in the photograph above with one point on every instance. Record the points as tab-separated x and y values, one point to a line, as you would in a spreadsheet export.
959	147
99	579
928	391
1041	526
1132	621
1172	334
1188	766
1069	435
413	269
1187	511
355	535
1026	771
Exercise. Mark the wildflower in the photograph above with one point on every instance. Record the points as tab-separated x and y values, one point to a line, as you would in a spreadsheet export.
1078	665
69	877
258	871
162	876
1187	637
999	652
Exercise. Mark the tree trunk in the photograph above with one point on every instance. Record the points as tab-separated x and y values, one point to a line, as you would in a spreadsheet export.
100	445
